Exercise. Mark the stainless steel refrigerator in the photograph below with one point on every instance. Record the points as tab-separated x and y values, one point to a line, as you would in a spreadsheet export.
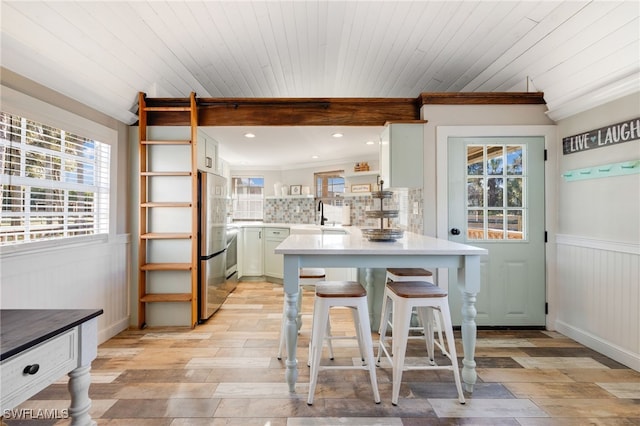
212	282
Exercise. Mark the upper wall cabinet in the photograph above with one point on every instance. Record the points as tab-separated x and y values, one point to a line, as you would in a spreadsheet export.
401	155
208	155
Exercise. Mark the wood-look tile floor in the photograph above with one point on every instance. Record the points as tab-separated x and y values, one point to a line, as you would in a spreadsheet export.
225	372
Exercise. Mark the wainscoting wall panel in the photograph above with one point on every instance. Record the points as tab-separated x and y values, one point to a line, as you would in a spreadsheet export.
598	296
84	276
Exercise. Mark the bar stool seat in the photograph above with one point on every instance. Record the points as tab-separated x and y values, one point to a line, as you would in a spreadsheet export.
409	274
403	297
350	294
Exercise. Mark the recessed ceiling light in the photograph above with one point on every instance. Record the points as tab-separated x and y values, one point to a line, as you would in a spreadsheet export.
249	135
337	135
315	157
370	142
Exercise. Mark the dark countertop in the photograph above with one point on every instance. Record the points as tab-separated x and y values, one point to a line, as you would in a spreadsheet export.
21	329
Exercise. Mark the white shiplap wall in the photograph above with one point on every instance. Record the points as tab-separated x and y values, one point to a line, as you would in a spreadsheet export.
600	296
84	276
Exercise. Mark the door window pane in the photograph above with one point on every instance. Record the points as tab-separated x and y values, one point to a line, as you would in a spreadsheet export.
475	224
495	225
515	231
495	191
514	159
475	159
495	160
514	192
475	192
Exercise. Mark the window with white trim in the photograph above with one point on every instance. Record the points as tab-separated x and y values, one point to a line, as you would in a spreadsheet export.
55	184
248	197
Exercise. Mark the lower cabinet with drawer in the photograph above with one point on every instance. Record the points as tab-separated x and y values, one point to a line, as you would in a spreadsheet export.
37	348
33	370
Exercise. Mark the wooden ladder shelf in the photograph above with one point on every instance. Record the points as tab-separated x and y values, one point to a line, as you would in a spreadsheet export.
152	286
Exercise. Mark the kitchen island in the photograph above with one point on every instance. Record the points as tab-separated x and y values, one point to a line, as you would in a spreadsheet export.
353	251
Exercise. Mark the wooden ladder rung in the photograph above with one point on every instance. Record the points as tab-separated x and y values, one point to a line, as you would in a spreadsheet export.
168	108
165	173
166	142
166	204
166	236
166	267
166	297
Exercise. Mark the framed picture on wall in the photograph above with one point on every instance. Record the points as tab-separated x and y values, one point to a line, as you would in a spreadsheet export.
362	187
295	189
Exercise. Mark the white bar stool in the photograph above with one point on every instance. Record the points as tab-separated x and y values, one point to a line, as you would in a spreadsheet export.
308	277
404	296
347	294
422	275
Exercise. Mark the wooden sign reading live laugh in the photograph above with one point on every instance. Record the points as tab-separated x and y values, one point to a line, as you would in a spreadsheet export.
626	131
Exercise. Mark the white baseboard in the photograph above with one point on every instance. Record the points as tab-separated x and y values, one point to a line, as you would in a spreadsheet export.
112	330
621	355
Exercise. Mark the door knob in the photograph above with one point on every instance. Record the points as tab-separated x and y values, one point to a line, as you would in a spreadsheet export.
455	231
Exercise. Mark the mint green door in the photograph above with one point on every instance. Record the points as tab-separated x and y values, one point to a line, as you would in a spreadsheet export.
496	201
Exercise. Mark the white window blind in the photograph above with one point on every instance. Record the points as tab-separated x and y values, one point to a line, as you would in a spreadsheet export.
55	184
248	197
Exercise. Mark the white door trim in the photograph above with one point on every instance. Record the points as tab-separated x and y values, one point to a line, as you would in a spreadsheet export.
549	132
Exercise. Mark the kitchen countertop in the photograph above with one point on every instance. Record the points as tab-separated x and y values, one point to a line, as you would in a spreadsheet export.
252	224
355	243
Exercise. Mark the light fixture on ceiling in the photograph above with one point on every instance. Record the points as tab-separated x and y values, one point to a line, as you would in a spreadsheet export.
249	135
337	135
315	157
369	142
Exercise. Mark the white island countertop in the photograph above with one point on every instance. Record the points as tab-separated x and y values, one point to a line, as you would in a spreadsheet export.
354	243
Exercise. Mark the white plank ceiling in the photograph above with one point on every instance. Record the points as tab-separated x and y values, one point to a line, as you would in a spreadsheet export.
102	53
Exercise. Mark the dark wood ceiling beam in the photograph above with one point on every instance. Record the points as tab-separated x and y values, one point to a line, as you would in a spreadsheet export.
294	112
481	98
323	111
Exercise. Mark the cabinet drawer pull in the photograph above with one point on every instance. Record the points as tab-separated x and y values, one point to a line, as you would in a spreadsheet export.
31	369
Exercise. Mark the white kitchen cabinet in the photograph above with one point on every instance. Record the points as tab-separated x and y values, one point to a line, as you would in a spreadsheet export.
252	252
401	155
274	263
208	155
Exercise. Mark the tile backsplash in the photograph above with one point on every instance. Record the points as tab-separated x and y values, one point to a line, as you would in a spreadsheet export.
304	210
289	210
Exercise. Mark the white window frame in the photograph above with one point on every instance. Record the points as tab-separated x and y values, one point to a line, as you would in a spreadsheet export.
20	104
253	214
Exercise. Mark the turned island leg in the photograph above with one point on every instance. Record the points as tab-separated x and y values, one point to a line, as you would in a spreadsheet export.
291	297
79	382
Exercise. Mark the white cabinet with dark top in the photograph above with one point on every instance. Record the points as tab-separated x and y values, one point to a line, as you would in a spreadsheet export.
39	346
